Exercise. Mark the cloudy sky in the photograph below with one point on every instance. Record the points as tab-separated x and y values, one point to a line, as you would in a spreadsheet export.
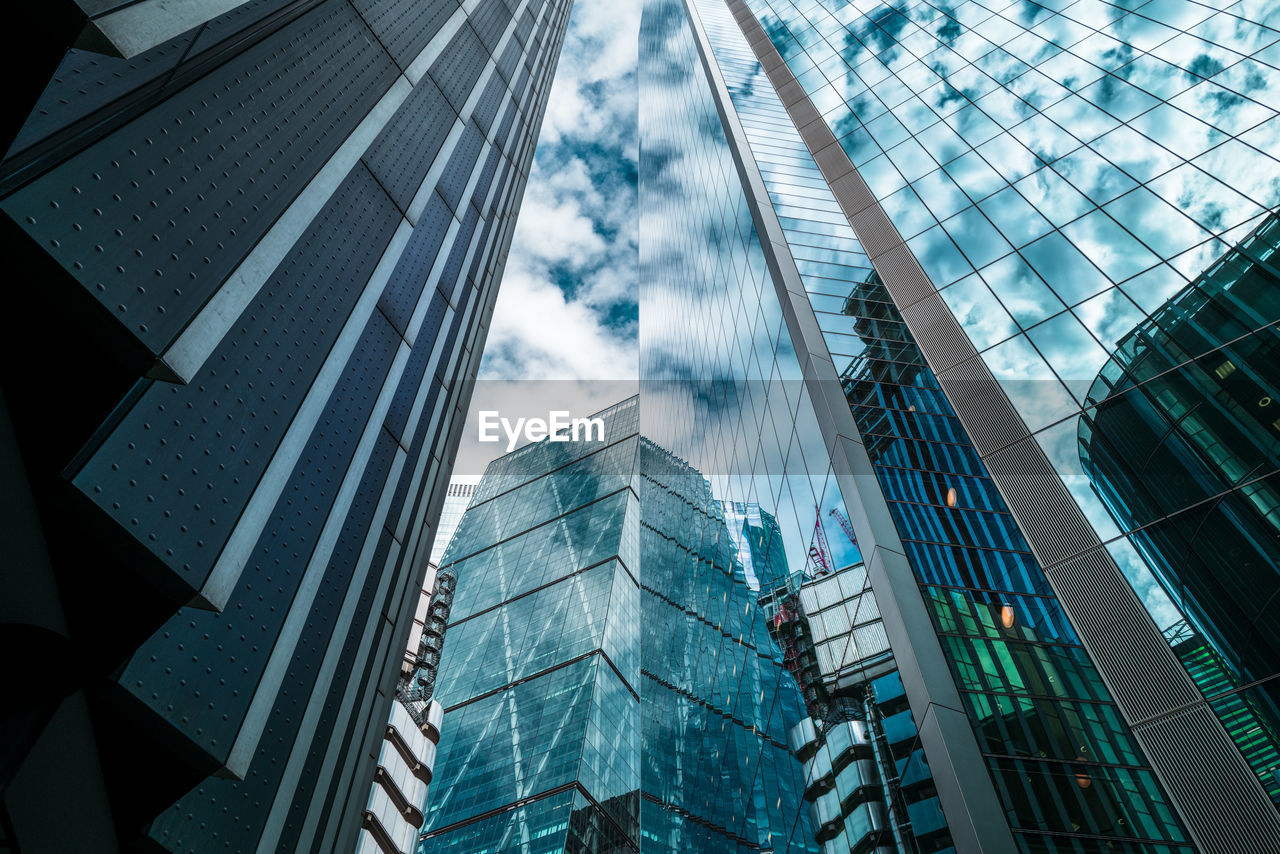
563	335
567	307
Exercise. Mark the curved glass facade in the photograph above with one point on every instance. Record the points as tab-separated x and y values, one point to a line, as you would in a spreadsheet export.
1182	443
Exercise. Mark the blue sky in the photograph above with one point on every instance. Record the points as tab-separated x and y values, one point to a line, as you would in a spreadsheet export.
567	308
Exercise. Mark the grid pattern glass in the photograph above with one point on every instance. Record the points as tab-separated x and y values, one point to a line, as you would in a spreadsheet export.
723	384
1030	689
1063	170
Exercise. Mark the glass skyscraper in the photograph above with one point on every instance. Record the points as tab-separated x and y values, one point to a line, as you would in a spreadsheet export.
456	499
609	682
260	252
883	261
1181	441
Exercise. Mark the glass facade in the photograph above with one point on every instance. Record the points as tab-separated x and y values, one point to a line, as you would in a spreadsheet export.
1182	444
1249	714
1074	178
456	499
722	385
540	748
717	700
610	683
1039	710
794	599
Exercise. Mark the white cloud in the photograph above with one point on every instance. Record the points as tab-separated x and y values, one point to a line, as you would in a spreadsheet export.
599	51
567	303
538	333
551	230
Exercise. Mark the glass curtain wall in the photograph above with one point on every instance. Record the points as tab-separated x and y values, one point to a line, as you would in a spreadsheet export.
540	741
724	390
1062	171
1064	764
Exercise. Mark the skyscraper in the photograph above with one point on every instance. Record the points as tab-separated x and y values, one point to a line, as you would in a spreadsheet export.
608	682
908	271
261	255
877	245
456	499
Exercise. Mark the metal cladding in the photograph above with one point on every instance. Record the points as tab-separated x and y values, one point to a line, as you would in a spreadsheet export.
285	231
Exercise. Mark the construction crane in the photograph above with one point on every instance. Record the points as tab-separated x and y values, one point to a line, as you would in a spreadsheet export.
820	551
844	525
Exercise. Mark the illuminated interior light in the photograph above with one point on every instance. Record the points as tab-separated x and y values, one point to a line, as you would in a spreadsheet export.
1007	616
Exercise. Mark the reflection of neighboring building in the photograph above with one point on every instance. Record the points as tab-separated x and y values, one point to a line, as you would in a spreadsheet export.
720	159
864	142
1026	683
866	779
539	738
760	546
1184	449
717	698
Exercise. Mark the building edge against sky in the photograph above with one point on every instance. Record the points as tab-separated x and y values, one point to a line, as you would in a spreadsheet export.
267	250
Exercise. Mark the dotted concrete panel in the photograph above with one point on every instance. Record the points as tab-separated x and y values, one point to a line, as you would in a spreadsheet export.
459	67
451	279
239	809
90	89
456	175
400	296
485	182
406	394
406	148
487	107
355	659
490	20
177	469
405	26
87	81
510	60
246	17
480	259
524	27
153	218
171	673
